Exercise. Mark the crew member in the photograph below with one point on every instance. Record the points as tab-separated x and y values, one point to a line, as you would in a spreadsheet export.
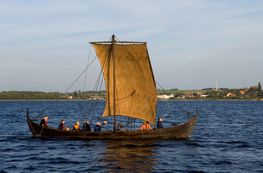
44	121
61	125
76	126
86	127
103	128
145	126
97	128
160	123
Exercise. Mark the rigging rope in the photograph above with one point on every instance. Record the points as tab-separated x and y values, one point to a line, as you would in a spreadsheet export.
85	75
98	85
79	76
169	104
89	63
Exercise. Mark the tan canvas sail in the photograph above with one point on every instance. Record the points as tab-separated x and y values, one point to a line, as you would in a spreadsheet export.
130	84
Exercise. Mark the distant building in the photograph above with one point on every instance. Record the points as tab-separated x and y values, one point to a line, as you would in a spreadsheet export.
242	92
253	88
181	97
204	95
96	97
189	95
69	97
164	96
230	94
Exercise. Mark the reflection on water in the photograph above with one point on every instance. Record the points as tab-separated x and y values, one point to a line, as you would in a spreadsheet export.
135	156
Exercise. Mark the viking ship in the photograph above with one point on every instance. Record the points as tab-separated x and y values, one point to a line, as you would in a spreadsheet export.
130	91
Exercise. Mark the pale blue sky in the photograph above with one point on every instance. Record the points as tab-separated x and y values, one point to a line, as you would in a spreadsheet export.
44	44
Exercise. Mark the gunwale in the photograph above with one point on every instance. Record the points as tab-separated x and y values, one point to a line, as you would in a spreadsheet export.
181	131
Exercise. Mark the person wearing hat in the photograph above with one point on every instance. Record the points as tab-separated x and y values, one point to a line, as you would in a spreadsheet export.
97	128
160	123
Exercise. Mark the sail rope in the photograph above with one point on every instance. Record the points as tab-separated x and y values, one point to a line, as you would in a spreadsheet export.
180	107
91	104
98	84
166	101
97	87
86	73
80	75
81	105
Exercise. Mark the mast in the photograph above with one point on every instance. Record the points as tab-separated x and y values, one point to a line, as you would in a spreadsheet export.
111	55
114	84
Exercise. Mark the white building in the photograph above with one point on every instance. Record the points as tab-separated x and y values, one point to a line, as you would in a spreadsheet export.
204	95
164	96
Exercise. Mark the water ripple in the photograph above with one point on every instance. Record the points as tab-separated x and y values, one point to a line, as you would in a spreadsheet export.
228	138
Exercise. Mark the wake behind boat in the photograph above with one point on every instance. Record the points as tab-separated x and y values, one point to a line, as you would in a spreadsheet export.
130	92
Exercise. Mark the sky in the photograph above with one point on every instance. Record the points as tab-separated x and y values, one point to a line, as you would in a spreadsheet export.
44	45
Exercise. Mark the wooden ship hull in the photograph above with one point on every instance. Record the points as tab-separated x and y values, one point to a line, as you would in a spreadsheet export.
181	131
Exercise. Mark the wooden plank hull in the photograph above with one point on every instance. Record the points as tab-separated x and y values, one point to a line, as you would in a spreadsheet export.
182	131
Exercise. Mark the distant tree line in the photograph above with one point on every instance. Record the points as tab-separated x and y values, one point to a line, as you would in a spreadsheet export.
29	95
253	92
167	91
38	95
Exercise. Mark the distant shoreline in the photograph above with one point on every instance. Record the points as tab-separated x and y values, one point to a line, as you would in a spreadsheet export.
57	100
79	100
250	93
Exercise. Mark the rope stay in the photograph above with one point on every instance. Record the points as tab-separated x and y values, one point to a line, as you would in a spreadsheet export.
86	73
182	109
98	83
166	102
80	75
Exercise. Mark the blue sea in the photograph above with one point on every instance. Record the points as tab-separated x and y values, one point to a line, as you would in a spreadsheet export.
228	138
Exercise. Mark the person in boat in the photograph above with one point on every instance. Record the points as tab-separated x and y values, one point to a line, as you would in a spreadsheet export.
120	127
97	128
44	121
103	128
61	125
76	126
160	123
145	126
86	127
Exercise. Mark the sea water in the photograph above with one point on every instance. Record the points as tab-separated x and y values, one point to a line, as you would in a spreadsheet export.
228	138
